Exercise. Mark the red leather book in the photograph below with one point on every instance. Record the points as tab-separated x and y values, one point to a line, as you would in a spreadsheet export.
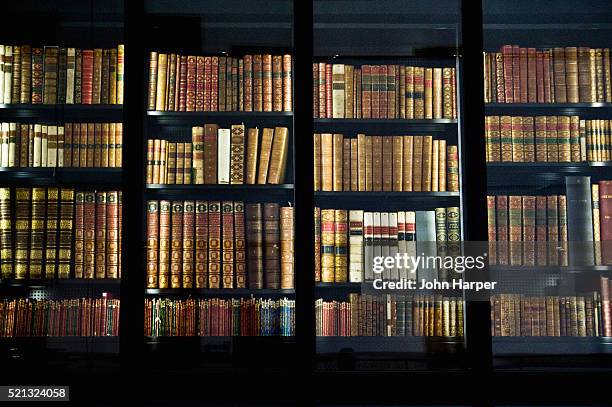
257	83
322	90
182	90
240	245
210	153
112	234
199	96
207	82
288	83
165	210
328	91
277	83
605	220
272	245
266	71
315	90
214	85
100	232
188	242
152	243
176	245
375	95
366	91
382	91
201	244
523	75
539	77
508	76
531	76
79	235
190	102
97	77
214	244
227	221
548	90
87	76
248	83
254	236
516	74
89	227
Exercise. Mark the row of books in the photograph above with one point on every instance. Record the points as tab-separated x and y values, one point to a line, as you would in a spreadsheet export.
553	75
384	163
208	241
584	215
390	315
219	317
383	92
220	156
253	83
520	315
347	241
547	139
61	75
60	233
24	317
71	145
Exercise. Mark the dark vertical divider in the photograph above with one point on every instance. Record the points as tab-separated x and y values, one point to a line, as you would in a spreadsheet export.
133	276
474	184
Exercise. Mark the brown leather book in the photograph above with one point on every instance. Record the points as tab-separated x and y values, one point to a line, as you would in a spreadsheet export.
327	162
89	227
188	243
277	83
317	244
387	163
552	218
112	234
65	233
541	154
501	205
200	85
435	165
327	245
222	84
176	245
315	90
337	159
398	163
266	72
251	155
79	235
340	245
90	144
584	75
571	74
528	139
240	256
278	156
515	229
599	72
214	244
322	90
51	62
67	145
559	75
532	92
227	221
540	76
563	139
287	83
97	148
552	148
112	78
97	76
447	93
152	243
417	164
51	223
354	165
442	165
201	244
505	126
607	75
271	245
428	93
361	158
452	169
491	230
419	92
104	145
237	154
175	160
562	254
254	238
523	72
391	91
517	138
286	248
407	163
25	86
410	93
197	140
377	164
265	155
369	158
257	83
427	163
492	131
100	234
210	153
437	93
165	224
346	164
105	77
575	139
23	198
190	92
349	91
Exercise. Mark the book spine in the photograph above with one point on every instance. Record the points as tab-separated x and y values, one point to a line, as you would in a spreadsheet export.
254	236
327	245
165	225
101	215
89	233
340	245
278	156
214	244
188	233
6	236
271	244
240	245
152	244
286	247
97	76
210	153
112	234
176	244
201	244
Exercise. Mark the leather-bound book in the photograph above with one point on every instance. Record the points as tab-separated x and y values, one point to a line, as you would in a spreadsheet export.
437	93
223	156
361	162
51	220
38	76
523	75
15	86
210	153
382	91
417	164
317	161
165	226
201	244
287	83
25	134
369	158
541	230
579	218
257	83
172	164
271	245
398	163
337	160
315	90
327	161
392	91
491	230
562	210
188	243
278	156
563	139
213	93
346	164
89	233
252	146
428	93
112	76
552	146
419	92
112	234
375	108
277	83
197	137
435	165
317	244
267	85
254	239
528	139
531	57
599	75
338	91
286	248
120	73
349	91
559	75
517	138
387	163
162	81
152	243
407	165
265	155
552	218
176	245
427	163
231	84
605	220
78	76
606	312
505	129
182	83
515	229
104	147
596	223
447	93
409	73
227	221
400	72
340	245
22	232
118	144
87	81
356	265
25	86
327	245
584	75
516	74
571	74
104	77
240	256
549	85
541	154
322	90
237	154
51	63
100	234
492	138
191	85
506	56
6	241
329	104
67	156
377	163
214	244
188	159
79	235
442	166
199	83
501	205
97	77
539	71
97	147
37	231
607	75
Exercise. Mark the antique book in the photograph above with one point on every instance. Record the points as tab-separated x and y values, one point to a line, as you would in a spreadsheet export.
97	76
271	245
515	229
356	236
199	83
605	220
227	243
27	76
387	163
51	221
340	245
501	206
427	163
428	93
579	218
223	156
327	245
191	83
113	250
152	243
265	155
6	237
338	91
188	235
417	164
210	153
528	229
79	235
435	166
277	83
349	91
267	86
286	248
346	164
252	147
240	254
104	76
563	139
89	233
201	244
287	83
176	244
278	156
317	162
552	219
377	163
101	212
197	137
407	165
237	154
528	139
353	177
112	76
337	160
51	62
165	226
327	161
254	239
317	244
517	138
559	75
443	166
214	244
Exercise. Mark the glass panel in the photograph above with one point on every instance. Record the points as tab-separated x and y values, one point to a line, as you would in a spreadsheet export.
548	105
60	187
220	184
387	144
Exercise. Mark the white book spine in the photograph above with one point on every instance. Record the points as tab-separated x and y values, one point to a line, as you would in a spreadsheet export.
44	146
4	150
12	146
70	68
2	73
401	242
411	238
223	157
384	241
393	244
368	232
376	239
37	148
60	146
356	246
338	91
8	73
51	146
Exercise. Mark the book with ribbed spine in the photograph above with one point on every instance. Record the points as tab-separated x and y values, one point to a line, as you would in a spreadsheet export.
452	169
227	221
356	265
210	153
515	229
517	139
552	219
271	245
79	235
89	233
327	163
266	74
188	243
237	154
387	163
188	154
112	234
252	144
201	244
528	140
254	239
528	229
6	237
287	83
97	77
51	62
51	227
152	243
23	197
596	223
176	245
340	245
317	244
346	164
265	156
605	219
377	163
338	91
286	248
214	244
200	84
327	245
427	163
240	256
278	156
417	164
101	212
104	76
165	227
562	210
563	139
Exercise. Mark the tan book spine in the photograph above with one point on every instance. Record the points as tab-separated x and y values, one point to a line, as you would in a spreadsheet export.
162	72
428	93
361	157
369	158
528	139
442	165
408	163
349	91
264	155
327	162
427	163
517	139
435	165
398	163
387	163
437	93
317	161
286	248
197	140
337	159
552	147
377	165
354	164
251	158
417	164
278	157
346	164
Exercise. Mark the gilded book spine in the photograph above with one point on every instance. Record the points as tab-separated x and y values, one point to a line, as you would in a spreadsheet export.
201	244
152	244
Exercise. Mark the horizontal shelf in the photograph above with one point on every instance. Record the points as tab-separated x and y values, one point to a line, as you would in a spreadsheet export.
157	113
218	292
584	110
71	282
57	113
549	345
407	122
388	344
216	187
62	175
65	344
281	193
377	201
386	194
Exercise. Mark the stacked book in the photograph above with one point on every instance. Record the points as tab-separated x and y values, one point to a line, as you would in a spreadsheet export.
342	91
384	163
547	139
220	244
60	75
347	241
553	75
25	317
390	315
60	233
253	83
220	156
81	145
219	317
